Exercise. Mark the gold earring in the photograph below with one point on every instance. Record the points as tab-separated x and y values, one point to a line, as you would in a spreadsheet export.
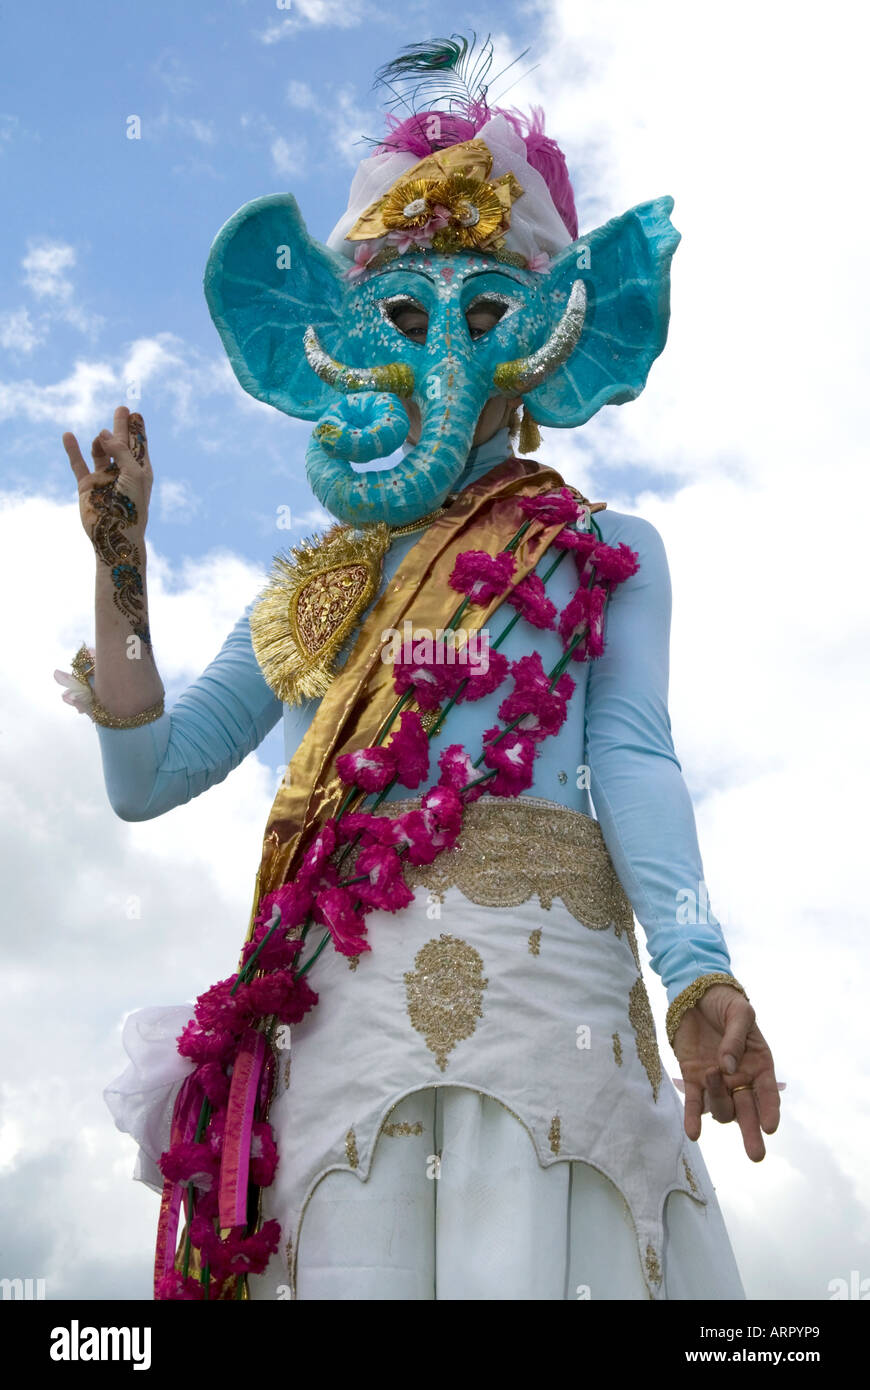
530	435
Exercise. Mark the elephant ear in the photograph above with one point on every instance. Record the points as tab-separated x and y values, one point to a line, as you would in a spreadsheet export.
265	280
627	310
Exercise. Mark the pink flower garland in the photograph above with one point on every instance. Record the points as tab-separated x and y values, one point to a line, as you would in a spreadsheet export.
534	710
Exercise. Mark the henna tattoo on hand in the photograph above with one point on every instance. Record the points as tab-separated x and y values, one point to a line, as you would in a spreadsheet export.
114	512
138	441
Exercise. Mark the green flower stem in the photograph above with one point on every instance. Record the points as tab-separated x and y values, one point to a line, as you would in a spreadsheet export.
485	778
308	964
204	1114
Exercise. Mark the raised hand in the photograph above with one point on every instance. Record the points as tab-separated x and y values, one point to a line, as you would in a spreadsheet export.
121	461
113	506
727	1068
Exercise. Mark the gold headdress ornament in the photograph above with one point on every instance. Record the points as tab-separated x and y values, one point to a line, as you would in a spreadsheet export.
312	602
452	188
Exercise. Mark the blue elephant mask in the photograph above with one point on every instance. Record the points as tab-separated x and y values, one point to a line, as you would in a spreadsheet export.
321	346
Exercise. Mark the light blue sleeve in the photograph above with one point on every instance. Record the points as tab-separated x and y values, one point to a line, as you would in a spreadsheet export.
212	726
637	786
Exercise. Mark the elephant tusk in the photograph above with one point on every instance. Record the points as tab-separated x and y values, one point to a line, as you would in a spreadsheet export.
397	378
525	373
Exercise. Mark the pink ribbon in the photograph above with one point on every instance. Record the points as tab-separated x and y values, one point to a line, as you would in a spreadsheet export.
236	1148
185	1114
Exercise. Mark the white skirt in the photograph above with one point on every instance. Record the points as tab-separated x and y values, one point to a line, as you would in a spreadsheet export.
456	1206
480	1110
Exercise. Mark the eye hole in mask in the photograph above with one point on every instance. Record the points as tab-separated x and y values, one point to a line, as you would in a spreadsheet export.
488	309
411	319
407	315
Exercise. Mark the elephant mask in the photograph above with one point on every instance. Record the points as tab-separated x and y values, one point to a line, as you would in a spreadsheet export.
315	338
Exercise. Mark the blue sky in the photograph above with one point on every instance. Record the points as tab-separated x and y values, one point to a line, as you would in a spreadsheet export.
235	101
747	451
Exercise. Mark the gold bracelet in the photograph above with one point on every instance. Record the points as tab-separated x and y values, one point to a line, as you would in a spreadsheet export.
101	715
692	994
83	669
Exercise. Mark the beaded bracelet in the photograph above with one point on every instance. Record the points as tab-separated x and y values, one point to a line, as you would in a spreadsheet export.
690	996
83	667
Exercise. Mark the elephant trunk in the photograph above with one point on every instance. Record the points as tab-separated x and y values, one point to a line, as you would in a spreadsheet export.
416	484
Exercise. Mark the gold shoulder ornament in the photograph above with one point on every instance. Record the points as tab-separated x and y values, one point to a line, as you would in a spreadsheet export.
313	600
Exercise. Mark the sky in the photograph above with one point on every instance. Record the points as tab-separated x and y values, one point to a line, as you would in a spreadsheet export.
747	451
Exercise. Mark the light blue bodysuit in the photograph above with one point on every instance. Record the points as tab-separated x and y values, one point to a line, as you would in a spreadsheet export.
618	725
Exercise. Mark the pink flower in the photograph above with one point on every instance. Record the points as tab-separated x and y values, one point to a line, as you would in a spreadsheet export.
213	1079
371	829
581	542
442	811
530	600
431	681
440	218
237	1253
365	252
278	950
316	855
485	673
457	770
513	758
280	994
385	886
294	901
264	1154
551	507
409	748
371	769
482	576
585	609
413	835
194	1163
78	693
615	564
250	1254
202	1046
403	238
175	1286
335	909
219	1008
539	715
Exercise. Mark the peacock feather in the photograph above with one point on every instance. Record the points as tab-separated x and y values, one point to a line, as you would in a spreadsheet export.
448	74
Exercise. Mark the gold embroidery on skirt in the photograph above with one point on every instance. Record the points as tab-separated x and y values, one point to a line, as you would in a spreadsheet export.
690	1178
535	942
351	1149
617	1049
444	992
394	1128
555	1135
653	1268
641	1019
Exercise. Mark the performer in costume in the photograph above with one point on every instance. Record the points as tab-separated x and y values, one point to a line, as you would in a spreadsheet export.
435	1073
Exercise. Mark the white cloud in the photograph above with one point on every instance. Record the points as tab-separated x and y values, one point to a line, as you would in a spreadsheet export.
178	501
287	158
75	962
155	370
44	269
18	333
45	265
314	14
753	422
300	94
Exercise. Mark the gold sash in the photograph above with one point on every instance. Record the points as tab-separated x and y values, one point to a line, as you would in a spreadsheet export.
351	714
